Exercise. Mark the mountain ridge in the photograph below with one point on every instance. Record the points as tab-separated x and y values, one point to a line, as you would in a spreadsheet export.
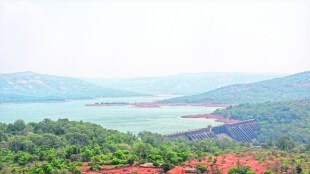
182	84
296	86
31	86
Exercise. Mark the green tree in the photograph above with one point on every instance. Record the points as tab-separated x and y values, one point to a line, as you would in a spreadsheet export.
78	139
141	150
87	154
17	127
285	143
72	150
21	143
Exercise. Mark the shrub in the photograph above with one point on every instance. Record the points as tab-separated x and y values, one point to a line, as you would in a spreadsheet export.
156	163
240	170
201	168
267	172
166	167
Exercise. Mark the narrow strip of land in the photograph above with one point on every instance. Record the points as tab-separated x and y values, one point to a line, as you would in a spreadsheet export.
158	105
218	118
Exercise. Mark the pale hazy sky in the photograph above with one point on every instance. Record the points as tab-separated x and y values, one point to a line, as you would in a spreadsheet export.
141	38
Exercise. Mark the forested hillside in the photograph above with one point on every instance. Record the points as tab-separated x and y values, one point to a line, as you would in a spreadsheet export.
60	146
51	147
30	86
292	87
276	119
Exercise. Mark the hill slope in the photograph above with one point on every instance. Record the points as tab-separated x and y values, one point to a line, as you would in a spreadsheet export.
29	86
182	83
276	119
296	86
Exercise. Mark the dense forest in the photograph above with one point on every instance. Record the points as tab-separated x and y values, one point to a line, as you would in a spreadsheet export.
293	87
276	119
59	146
52	147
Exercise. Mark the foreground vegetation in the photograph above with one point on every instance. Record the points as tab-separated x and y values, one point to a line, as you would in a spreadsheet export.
276	119
60	146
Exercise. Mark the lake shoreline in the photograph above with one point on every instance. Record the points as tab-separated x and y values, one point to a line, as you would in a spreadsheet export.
77	99
31	102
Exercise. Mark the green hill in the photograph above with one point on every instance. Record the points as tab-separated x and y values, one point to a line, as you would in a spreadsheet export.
30	86
291	87
276	119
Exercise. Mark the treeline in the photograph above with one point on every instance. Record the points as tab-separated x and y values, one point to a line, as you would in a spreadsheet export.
289	119
60	146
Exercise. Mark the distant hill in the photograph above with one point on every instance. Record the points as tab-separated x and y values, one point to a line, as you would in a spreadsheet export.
276	119
30	86
295	86
182	84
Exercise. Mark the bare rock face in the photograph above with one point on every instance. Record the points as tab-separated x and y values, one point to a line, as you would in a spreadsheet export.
190	170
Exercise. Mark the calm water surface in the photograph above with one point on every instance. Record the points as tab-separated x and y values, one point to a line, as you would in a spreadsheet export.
162	120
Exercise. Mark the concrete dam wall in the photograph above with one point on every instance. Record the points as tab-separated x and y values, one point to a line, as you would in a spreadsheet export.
243	131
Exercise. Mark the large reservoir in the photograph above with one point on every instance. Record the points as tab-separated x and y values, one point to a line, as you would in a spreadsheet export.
164	120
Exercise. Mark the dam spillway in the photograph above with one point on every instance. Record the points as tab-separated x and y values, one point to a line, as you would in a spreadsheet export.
243	131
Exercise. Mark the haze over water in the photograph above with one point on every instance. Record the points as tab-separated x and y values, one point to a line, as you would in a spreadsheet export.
162	120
